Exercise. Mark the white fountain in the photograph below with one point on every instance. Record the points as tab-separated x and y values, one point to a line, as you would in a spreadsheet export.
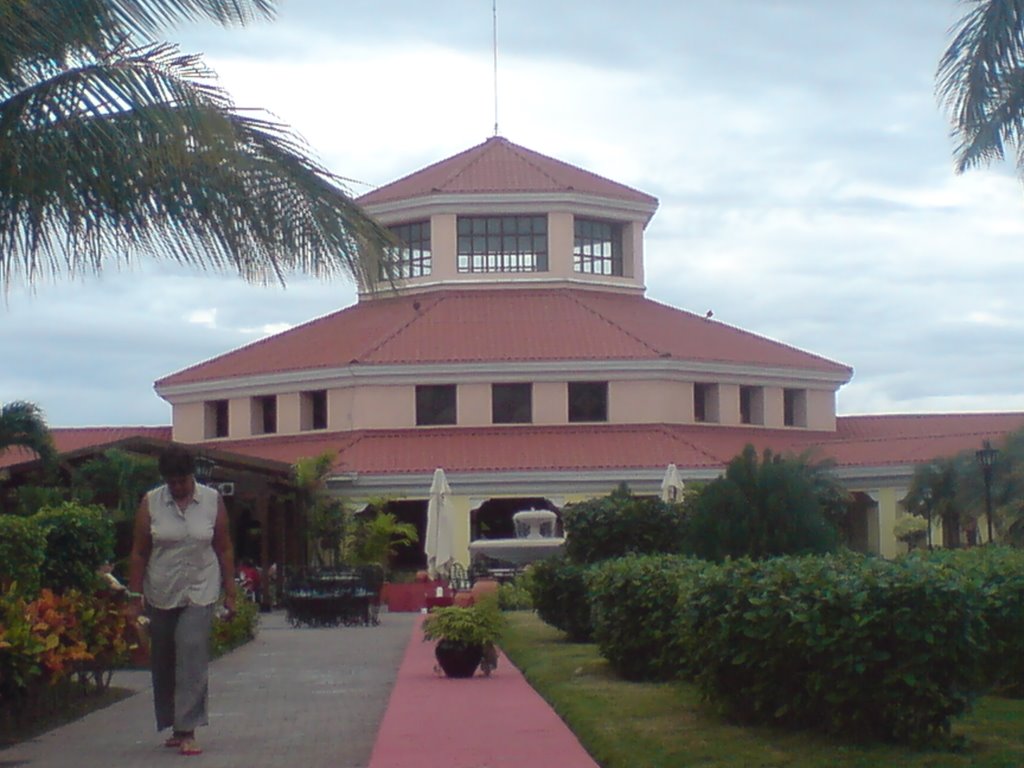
535	539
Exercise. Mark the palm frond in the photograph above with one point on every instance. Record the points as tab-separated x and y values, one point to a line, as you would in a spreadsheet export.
22	424
980	81
140	153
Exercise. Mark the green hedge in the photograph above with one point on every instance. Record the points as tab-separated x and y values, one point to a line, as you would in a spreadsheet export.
635	609
22	552
620	524
998	573
559	592
79	539
840	644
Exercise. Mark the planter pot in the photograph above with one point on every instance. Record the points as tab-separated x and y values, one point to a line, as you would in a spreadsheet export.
458	660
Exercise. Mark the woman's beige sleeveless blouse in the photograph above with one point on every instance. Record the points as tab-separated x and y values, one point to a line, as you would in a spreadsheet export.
183	568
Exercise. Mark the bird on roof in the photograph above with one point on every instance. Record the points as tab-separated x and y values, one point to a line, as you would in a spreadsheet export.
709	315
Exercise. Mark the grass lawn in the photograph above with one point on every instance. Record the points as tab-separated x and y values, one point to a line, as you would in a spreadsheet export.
665	725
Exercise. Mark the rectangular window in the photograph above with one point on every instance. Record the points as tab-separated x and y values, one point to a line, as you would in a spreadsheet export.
313	409
215	418
412	258
598	247
588	401
503	244
794	407
264	415
705	402
511	403
435	404
751	405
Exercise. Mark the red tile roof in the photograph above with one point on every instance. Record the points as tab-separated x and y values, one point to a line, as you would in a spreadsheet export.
503	326
499	166
860	441
67	439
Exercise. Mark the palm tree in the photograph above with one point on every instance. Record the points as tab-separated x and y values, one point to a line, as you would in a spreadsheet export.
22	424
981	82
113	144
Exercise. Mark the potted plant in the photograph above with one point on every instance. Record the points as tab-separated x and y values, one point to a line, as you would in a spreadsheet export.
465	636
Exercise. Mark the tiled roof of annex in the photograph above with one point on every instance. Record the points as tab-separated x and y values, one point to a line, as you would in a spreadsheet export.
859	441
68	439
498	166
450	326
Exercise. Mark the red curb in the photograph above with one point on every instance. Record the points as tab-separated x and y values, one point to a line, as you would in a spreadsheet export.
498	722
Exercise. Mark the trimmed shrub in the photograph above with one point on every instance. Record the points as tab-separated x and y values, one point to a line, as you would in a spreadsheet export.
635	610
998	574
559	593
840	644
79	539
22	552
620	524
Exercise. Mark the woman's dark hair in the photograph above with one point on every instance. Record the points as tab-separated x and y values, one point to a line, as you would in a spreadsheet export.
176	461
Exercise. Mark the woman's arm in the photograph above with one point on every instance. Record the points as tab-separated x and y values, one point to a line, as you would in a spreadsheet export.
225	555
142	545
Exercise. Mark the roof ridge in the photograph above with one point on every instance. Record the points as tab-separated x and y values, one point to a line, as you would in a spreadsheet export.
672	433
515	149
417	307
578	298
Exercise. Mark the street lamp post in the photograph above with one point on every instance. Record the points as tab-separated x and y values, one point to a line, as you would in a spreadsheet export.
987	458
926	497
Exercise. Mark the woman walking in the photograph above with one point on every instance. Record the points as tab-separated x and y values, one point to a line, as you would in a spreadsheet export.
181	560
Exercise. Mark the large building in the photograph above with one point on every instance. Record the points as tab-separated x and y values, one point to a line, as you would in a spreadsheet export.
519	353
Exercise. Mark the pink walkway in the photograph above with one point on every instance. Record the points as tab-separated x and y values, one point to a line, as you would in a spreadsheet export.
496	722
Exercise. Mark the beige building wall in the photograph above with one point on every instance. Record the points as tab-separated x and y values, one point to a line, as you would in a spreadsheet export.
561	239
649	402
473	405
550	402
443	243
774	407
187	423
821	410
729	404
288	421
384	407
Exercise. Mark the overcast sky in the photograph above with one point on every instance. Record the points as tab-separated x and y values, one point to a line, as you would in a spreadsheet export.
801	161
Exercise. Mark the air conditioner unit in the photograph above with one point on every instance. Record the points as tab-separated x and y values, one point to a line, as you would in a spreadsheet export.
226	489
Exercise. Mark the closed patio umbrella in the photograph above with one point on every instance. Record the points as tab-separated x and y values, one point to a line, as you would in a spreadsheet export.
672	485
440	526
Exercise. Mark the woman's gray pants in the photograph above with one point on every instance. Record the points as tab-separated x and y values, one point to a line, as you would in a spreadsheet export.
179	660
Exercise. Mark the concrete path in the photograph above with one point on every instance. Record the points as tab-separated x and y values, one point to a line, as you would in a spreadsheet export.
346	697
308	698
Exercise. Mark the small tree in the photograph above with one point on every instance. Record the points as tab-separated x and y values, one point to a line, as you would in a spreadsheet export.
761	509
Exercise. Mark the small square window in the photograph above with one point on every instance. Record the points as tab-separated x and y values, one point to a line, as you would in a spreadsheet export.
751	405
588	401
511	403
705	402
215	418
264	415
794	407
435	404
313	409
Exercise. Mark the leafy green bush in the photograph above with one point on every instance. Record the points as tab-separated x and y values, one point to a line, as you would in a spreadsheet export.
515	595
620	524
635	610
79	539
763	509
22	552
998	573
840	644
479	624
226	635
559	593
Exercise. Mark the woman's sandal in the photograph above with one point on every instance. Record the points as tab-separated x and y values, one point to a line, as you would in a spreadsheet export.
174	740
189	746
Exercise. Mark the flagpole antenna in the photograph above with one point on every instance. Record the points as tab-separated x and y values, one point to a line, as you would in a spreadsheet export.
494	45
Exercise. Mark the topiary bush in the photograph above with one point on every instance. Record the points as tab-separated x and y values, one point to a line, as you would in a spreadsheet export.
79	539
620	524
22	552
559	592
855	645
635	611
